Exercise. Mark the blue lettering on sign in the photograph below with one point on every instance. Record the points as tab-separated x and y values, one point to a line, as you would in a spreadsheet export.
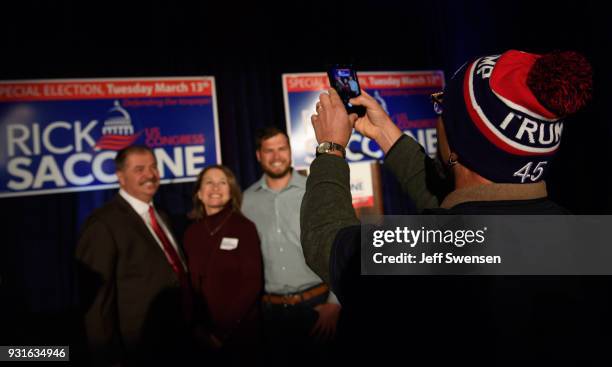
59	146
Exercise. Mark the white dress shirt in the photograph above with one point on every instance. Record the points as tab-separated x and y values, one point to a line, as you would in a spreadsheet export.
142	209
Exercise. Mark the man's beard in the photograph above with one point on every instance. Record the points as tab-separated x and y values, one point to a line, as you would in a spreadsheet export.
275	175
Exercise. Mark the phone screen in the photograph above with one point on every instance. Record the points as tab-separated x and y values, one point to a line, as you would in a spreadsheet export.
343	79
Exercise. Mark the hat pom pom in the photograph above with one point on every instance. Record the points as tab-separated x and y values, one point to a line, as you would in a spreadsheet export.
562	81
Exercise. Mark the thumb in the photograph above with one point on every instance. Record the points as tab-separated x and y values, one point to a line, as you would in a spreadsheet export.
365	100
359	126
352	118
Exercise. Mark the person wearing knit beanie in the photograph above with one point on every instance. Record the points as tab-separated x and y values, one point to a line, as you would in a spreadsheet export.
501	125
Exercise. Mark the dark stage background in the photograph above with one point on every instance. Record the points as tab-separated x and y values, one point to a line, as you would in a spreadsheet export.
247	46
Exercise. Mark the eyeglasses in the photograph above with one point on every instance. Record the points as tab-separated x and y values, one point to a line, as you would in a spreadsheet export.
437	100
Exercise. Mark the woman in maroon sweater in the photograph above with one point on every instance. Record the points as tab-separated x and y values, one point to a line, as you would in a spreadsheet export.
224	259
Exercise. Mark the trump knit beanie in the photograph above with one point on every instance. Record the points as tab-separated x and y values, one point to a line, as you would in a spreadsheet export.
504	114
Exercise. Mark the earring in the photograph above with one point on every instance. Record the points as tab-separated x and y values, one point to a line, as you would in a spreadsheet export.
452	160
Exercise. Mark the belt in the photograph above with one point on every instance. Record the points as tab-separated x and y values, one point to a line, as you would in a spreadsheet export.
295	298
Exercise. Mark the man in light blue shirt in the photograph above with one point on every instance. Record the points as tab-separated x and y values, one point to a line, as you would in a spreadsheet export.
297	303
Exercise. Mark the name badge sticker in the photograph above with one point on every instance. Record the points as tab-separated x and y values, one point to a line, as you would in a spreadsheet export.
228	243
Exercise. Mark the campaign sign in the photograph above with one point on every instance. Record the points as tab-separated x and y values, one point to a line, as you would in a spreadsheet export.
362	191
405	96
63	135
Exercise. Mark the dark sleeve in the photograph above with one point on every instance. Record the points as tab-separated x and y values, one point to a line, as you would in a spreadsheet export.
191	238
345	265
416	172
326	208
96	256
201	315
251	283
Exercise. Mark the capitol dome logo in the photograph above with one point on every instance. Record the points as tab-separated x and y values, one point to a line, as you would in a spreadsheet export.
117	131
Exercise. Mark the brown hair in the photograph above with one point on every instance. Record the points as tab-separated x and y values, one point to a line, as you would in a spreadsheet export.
198	211
267	133
122	155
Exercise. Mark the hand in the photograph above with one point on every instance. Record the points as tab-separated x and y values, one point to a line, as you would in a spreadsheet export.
375	124
331	122
325	328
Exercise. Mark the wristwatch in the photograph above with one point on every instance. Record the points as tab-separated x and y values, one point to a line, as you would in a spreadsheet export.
328	146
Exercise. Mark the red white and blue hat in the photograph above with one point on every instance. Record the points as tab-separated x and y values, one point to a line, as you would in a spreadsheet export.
495	122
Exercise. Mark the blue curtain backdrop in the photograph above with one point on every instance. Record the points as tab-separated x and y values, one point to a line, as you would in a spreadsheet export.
247	47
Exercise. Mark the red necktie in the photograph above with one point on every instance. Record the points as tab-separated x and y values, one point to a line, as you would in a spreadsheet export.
174	261
170	252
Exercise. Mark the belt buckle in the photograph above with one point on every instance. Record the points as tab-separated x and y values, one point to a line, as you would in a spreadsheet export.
289	299
286	300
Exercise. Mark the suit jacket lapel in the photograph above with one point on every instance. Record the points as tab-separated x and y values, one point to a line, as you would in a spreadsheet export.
138	223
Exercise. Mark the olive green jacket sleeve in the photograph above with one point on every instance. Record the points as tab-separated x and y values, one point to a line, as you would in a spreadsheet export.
416	173
327	203
326	208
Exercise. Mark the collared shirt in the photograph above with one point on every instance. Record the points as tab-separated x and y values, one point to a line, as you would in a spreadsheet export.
495	192
276	215
142	209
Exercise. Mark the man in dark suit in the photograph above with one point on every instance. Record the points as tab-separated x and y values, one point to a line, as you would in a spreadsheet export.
133	275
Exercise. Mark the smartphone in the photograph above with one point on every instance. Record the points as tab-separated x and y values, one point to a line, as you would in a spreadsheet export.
343	78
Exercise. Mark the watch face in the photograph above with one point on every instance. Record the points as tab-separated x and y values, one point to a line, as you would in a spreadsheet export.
324	147
327	146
